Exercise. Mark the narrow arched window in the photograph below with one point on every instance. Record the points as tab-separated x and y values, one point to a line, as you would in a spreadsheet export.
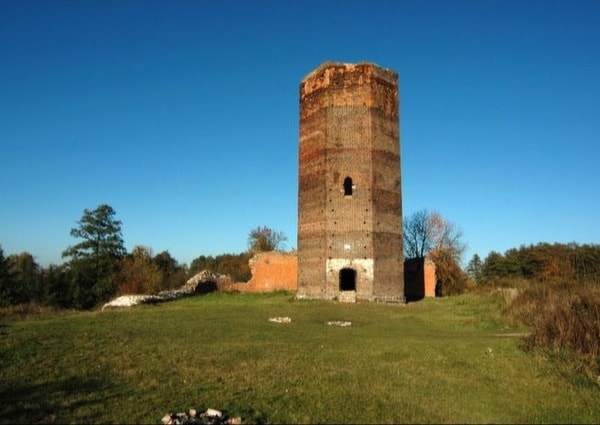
348	186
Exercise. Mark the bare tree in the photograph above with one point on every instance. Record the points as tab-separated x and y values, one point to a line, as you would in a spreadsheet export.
425	232
429	235
263	239
445	236
417	241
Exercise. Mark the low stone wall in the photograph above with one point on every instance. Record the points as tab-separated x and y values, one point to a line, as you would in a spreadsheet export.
271	271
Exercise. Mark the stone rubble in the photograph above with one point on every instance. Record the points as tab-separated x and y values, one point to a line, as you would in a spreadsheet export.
342	323
192	417
131	300
199	283
280	319
205	277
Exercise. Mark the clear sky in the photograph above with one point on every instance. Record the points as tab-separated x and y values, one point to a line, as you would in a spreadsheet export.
183	116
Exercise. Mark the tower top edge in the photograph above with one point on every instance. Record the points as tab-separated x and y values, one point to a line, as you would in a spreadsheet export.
386	73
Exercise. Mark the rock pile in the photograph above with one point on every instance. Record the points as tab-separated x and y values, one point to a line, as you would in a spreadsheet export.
209	417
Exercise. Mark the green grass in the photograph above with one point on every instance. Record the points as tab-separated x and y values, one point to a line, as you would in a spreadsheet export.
445	360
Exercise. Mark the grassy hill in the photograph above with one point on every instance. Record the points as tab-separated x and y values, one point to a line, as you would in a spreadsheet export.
443	360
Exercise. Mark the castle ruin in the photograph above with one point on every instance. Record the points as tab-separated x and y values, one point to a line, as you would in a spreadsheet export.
349	186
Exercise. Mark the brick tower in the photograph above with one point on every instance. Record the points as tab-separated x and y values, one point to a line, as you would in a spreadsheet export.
349	187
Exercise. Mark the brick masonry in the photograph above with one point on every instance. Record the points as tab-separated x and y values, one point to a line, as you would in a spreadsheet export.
349	185
271	271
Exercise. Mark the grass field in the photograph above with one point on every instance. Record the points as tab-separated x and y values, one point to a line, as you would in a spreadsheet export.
443	360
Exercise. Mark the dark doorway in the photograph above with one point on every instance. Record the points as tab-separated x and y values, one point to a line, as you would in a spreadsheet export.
414	279
348	186
347	279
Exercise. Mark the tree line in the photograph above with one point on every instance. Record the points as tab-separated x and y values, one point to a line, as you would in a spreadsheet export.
542	262
428	234
98	267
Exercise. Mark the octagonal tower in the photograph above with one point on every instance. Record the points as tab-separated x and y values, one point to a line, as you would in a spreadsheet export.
349	186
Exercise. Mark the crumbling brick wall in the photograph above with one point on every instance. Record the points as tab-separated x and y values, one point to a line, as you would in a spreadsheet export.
271	271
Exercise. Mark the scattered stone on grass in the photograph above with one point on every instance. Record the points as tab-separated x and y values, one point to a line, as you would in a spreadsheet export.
342	323
208	417
280	319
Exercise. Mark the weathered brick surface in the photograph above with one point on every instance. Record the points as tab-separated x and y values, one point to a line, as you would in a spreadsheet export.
429	278
349	130
271	271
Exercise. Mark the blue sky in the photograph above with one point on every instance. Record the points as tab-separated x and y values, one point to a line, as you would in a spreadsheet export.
183	116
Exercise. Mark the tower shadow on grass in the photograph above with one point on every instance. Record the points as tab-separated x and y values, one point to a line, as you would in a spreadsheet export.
76	398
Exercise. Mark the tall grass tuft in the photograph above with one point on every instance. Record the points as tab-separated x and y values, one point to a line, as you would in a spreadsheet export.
563	318
28	310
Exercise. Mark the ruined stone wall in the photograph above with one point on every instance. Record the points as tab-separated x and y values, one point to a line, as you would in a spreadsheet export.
350	212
